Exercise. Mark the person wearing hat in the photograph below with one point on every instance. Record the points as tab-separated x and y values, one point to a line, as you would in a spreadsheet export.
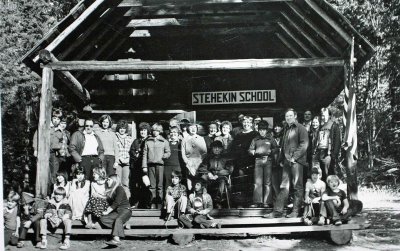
199	206
264	148
315	187
194	150
156	149
216	169
31	213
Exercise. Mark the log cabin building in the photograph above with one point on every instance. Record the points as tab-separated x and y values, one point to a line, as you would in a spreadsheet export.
147	60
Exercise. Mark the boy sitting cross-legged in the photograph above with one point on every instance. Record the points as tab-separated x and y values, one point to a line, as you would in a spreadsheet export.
315	187
335	203
199	206
58	212
175	196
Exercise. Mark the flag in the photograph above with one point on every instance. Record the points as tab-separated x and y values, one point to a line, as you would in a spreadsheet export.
349	115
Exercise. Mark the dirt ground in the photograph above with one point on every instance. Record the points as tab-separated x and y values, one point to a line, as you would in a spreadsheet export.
384	234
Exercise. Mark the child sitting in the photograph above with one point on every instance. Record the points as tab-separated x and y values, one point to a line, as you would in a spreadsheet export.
32	212
263	147
79	194
61	181
199	206
315	187
58	212
216	170
11	218
335	204
97	202
175	195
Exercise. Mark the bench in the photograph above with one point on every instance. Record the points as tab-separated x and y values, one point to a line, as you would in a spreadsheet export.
243	222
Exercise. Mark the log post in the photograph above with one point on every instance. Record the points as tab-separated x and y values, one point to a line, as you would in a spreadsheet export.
42	170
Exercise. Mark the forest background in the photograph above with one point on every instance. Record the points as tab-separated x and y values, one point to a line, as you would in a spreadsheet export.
24	22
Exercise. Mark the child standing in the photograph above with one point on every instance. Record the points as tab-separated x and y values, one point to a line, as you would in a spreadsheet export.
98	201
79	194
156	149
335	203
199	206
32	212
58	213
173	163
175	195
315	187
264	148
216	170
11	219
225	137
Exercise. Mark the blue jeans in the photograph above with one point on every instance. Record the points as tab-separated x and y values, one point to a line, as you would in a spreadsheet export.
262	181
292	175
156	176
108	164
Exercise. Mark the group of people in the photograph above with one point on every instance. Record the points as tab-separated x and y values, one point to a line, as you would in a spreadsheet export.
186	173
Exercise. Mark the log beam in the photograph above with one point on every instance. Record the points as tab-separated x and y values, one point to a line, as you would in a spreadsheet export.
295	51
137	111
141	3
65	33
294	9
196	65
67	77
42	170
329	20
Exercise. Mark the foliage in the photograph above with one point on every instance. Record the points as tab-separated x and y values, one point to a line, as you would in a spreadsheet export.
22	24
378	21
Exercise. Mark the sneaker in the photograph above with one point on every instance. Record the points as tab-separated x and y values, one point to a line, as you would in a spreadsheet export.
96	226
272	215
321	221
20	244
338	223
65	245
218	225
153	206
43	244
113	243
89	226
127	226
307	222
292	215
38	244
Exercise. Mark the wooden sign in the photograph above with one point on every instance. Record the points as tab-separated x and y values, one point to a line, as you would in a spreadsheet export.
234	97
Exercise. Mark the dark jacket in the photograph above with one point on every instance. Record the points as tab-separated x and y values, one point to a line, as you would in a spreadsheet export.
295	143
77	144
264	147
155	150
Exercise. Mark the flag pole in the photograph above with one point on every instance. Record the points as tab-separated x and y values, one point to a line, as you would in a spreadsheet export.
350	122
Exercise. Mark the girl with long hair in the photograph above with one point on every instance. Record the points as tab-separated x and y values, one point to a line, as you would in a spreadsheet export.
118	213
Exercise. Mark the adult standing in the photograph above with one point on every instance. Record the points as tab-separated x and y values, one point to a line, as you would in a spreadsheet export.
225	137
136	158
194	150
328	145
118	213
109	140
86	148
307	120
212	134
124	142
293	160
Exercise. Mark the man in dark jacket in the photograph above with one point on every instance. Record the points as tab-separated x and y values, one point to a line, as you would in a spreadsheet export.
87	149
293	160
328	144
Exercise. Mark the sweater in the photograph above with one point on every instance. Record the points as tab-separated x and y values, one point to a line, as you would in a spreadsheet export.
109	141
118	199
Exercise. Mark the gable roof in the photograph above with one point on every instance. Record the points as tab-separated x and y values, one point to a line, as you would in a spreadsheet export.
202	30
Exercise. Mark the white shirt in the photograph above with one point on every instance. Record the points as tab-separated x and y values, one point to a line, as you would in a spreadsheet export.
91	144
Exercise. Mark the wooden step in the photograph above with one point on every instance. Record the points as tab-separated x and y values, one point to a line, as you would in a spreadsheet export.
137	222
240	212
276	230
